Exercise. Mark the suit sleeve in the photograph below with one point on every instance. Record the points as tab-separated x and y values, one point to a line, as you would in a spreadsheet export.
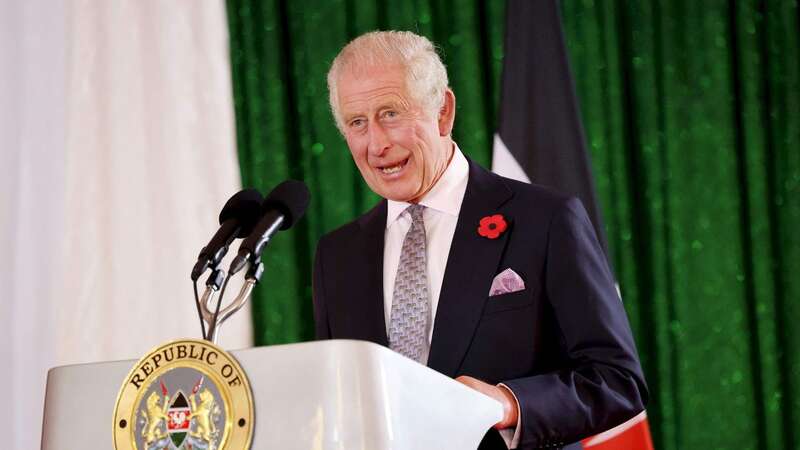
321	327
601	384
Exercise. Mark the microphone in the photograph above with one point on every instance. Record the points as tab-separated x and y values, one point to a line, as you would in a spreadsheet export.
282	208
237	219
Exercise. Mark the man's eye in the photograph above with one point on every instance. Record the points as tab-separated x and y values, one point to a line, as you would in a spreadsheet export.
355	123
390	114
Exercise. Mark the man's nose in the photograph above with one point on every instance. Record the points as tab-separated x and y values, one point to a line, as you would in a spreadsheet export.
378	140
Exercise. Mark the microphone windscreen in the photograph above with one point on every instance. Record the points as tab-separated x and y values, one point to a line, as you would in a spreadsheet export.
290	198
245	207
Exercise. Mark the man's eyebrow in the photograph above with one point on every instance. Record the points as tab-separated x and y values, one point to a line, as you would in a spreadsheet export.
350	116
388	104
391	104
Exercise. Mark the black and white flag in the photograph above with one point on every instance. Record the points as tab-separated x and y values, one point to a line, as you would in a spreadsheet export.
540	138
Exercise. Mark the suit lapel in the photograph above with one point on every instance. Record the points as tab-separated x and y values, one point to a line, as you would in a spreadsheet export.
471	265
368	263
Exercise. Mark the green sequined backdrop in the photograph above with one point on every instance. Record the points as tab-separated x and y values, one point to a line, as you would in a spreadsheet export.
692	112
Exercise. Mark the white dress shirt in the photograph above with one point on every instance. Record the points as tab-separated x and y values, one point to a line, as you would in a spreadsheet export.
442	205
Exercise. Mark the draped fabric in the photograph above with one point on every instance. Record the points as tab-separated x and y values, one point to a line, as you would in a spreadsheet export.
691	115
150	161
31	215
692	111
118	139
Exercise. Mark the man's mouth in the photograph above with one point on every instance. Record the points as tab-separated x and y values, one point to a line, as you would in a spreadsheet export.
393	168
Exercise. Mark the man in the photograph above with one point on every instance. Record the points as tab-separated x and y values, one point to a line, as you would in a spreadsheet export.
498	283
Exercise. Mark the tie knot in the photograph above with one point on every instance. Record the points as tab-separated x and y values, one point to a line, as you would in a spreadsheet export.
415	211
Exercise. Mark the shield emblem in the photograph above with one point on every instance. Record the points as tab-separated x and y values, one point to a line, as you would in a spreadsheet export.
179	415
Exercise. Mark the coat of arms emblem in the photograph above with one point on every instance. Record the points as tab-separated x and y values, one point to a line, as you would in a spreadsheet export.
184	395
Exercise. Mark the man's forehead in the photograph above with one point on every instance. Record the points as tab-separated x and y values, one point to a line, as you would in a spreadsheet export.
371	97
359	91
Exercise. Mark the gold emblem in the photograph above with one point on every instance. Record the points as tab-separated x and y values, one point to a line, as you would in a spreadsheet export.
184	395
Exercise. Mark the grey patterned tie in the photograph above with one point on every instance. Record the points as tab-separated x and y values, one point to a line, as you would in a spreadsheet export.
408	329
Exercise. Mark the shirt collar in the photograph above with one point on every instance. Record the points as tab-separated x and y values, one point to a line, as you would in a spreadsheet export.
445	196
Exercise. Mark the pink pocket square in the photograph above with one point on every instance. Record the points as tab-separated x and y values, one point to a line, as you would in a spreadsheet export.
506	282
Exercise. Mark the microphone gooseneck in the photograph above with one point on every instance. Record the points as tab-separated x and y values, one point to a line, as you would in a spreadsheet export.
245	215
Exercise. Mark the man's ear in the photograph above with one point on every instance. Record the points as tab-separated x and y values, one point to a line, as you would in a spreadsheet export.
447	113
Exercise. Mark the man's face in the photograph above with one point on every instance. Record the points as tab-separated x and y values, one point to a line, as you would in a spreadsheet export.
400	149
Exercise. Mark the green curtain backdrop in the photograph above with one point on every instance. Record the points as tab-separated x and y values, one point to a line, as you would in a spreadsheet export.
692	112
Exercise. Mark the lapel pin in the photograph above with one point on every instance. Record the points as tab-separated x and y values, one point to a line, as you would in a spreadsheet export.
491	227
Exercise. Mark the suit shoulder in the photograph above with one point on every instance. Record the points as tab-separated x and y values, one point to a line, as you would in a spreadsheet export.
560	210
527	199
544	197
374	219
344	232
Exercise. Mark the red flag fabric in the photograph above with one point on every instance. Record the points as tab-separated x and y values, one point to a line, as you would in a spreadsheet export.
631	435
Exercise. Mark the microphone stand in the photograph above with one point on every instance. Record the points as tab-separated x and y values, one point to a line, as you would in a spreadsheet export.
215	317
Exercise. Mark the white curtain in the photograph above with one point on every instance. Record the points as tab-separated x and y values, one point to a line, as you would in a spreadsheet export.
117	154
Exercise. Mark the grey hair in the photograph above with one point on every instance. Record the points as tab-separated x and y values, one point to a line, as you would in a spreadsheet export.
426	76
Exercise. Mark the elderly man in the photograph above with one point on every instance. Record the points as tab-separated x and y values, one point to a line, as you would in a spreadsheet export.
498	283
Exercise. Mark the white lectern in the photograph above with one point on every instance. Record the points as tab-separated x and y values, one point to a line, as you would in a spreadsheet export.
336	394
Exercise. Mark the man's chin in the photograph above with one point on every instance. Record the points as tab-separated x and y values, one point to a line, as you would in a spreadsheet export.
397	196
391	191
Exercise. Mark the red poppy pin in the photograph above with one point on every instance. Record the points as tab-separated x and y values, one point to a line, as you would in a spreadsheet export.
491	227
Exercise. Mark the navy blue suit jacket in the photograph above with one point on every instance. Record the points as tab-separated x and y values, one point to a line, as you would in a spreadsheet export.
563	345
